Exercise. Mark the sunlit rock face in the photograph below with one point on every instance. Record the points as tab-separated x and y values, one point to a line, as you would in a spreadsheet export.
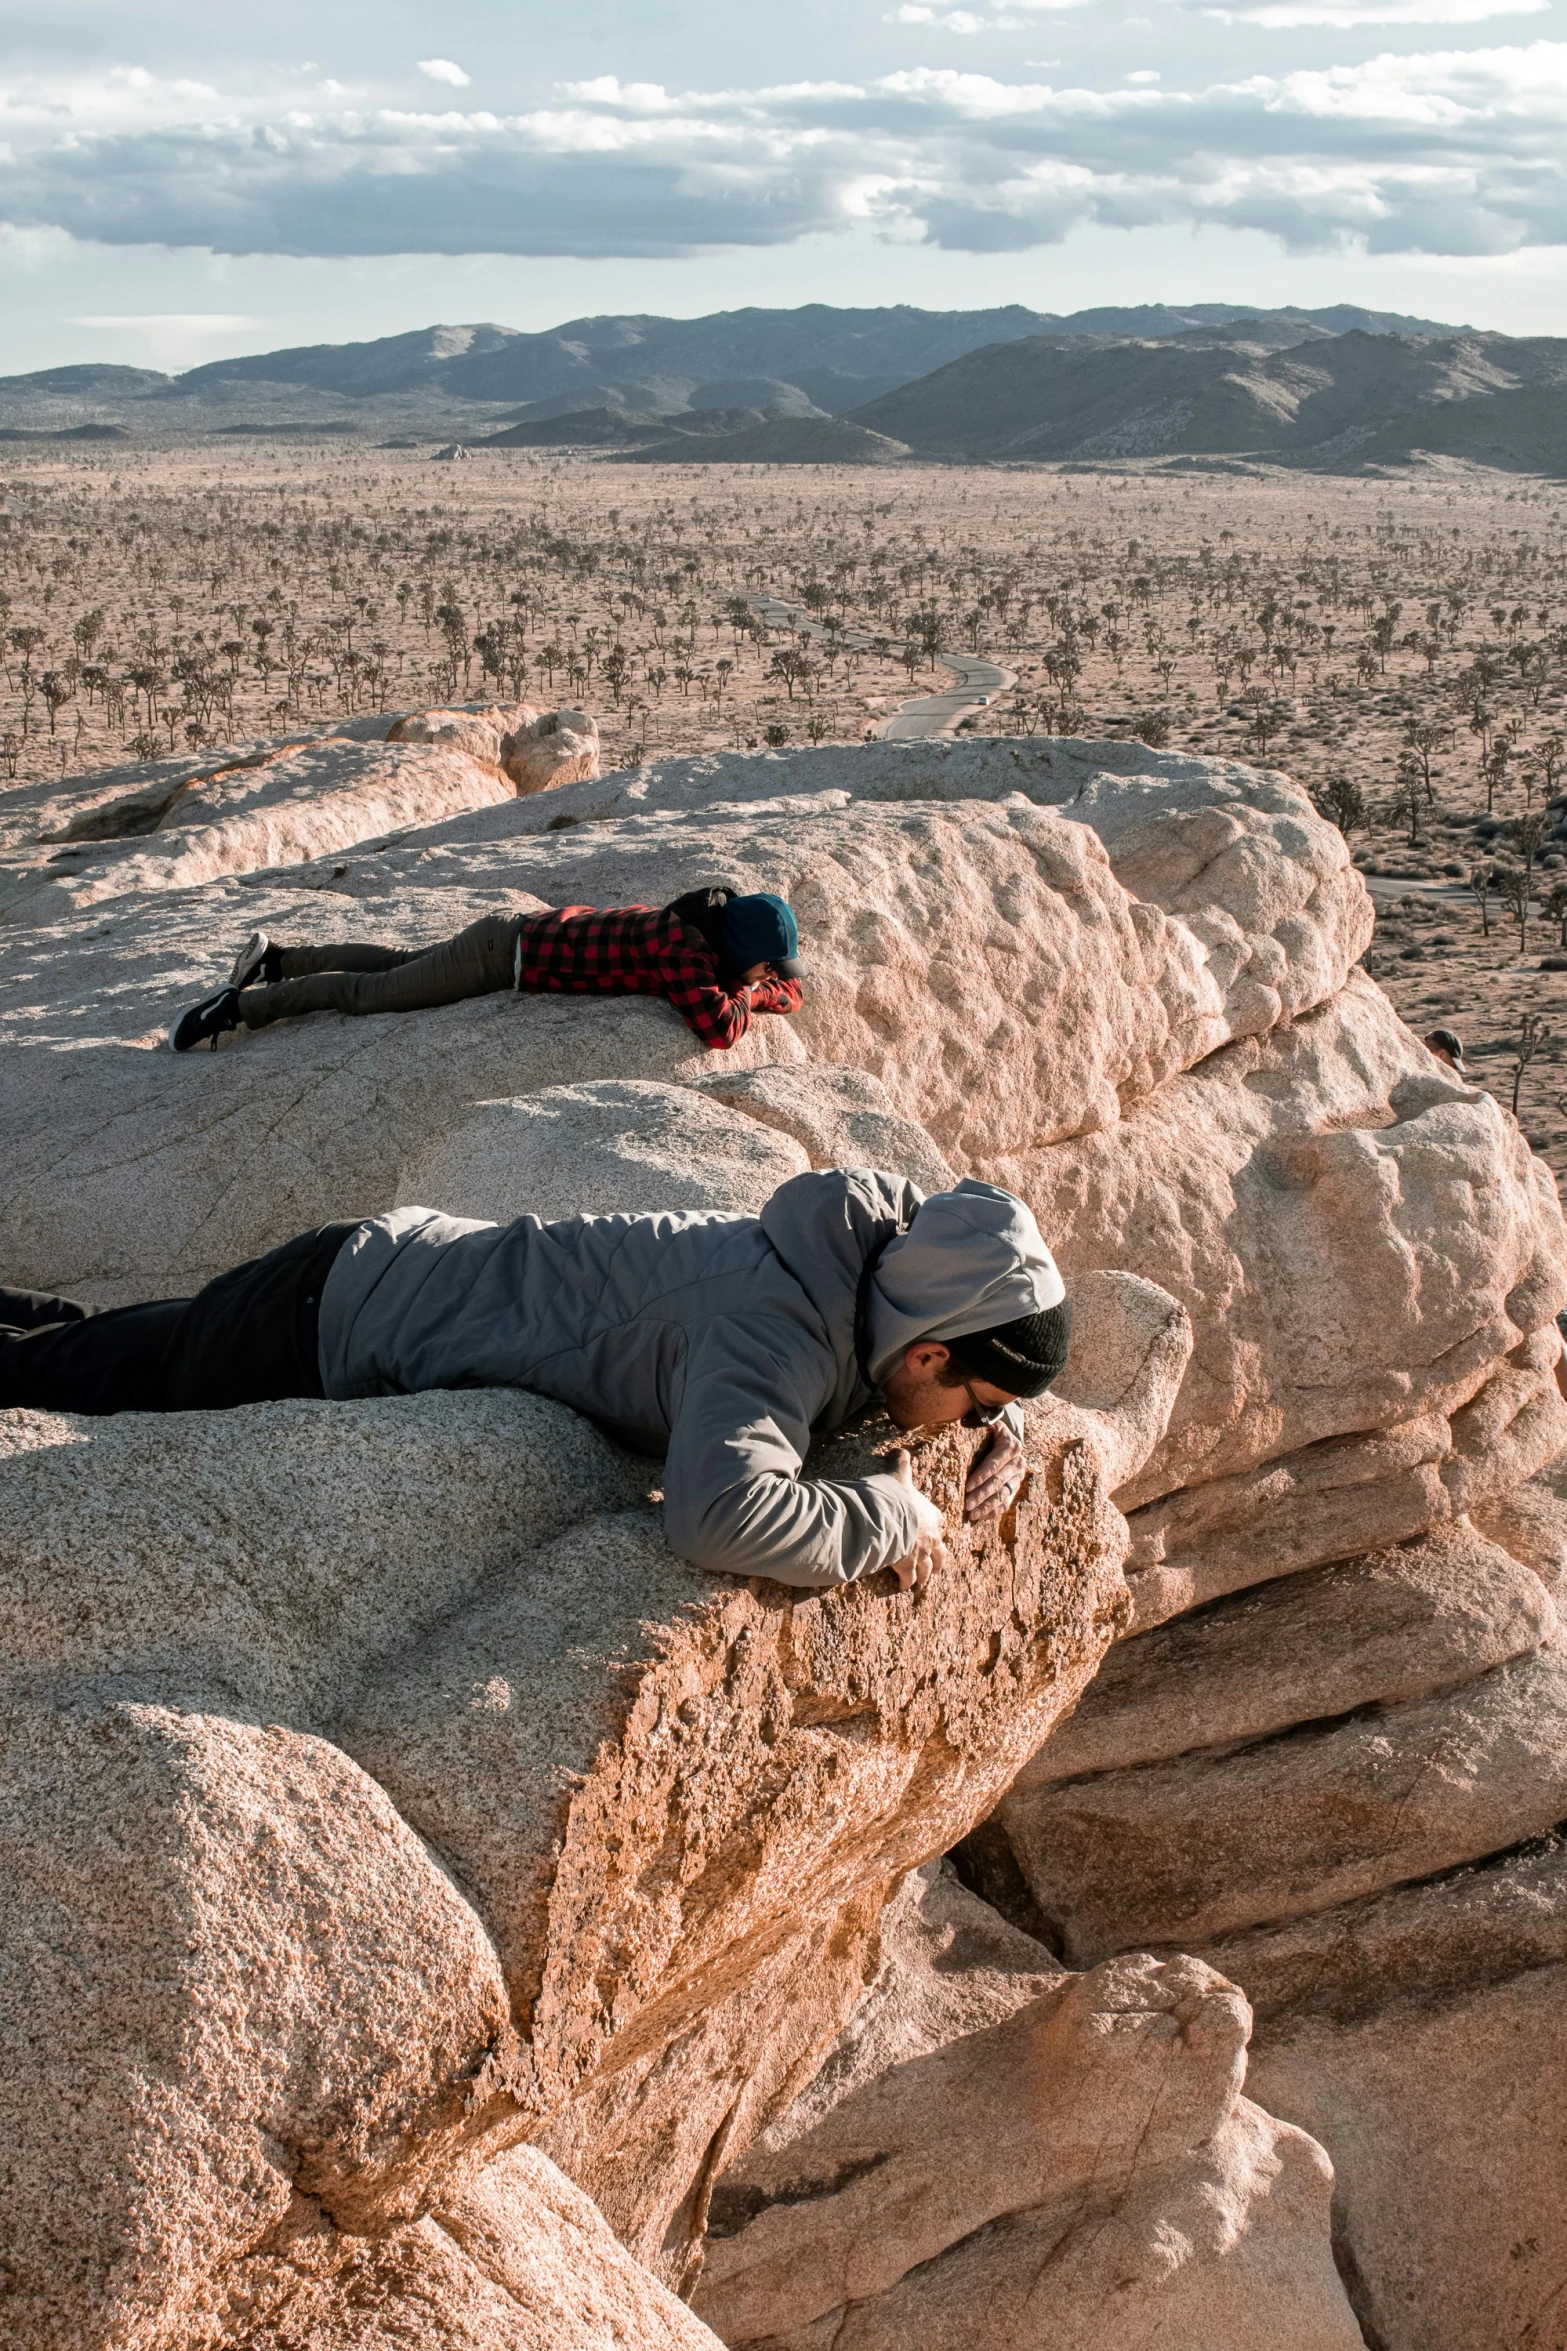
438	1913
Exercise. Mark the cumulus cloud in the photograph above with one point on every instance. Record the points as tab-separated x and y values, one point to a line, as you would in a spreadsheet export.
1343	15
441	69
1446	151
1001	16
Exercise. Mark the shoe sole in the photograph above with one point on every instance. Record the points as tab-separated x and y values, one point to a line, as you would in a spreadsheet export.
249	960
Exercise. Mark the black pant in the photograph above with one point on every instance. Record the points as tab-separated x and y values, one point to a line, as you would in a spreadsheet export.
477	962
250	1337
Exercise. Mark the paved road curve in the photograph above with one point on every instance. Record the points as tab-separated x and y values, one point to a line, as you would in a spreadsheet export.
978	680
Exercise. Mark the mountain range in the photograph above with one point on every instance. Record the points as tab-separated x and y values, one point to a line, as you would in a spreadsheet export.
1340	388
1349	398
815	356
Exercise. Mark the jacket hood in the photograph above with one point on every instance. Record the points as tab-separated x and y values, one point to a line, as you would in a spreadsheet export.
972	1258
824	1226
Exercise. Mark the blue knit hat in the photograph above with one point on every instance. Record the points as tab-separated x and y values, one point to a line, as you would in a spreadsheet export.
760	928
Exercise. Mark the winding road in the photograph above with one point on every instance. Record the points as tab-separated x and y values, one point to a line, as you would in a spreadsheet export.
978	678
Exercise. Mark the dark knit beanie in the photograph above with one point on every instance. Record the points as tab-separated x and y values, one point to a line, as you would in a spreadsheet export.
1021	1357
759	927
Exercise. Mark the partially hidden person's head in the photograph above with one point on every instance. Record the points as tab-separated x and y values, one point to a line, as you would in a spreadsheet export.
759	927
967	1309
1447	1046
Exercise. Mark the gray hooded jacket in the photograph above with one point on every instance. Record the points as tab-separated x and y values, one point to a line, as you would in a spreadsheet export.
722	1342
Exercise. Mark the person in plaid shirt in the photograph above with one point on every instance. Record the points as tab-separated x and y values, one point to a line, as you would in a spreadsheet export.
716	955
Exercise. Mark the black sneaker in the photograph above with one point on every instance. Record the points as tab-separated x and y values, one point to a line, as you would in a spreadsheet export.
250	964
205	1022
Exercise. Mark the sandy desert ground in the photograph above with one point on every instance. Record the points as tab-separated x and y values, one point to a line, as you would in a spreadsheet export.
1399	644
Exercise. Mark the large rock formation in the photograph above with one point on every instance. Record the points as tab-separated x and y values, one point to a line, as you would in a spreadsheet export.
405	1848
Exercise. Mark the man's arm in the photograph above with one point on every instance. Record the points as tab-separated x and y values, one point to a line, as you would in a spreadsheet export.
734	1499
710	1011
772	994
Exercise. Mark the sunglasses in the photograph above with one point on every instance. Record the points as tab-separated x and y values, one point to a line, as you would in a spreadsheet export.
982	1416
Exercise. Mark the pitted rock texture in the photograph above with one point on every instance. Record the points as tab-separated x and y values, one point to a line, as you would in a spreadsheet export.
380	1790
513	2258
1069	2161
1363	1240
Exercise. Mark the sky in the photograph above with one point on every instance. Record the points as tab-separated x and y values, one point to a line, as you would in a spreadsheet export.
179	182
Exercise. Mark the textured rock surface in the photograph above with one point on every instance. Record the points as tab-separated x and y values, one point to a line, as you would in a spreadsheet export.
358	1814
1015	2159
536	750
1391	1627
273	807
929	931
1362	1240
1423	2035
1186	1851
622	1143
390	1797
514	2258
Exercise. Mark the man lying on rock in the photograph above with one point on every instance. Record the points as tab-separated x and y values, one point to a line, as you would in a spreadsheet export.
724	1343
716	955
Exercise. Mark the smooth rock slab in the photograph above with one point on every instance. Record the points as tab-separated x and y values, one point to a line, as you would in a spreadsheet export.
840	1116
1360	1239
1076	2168
1393	1626
1422	2035
620	1145
1188	1851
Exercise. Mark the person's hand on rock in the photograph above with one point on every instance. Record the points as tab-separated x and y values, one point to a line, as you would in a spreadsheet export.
995	1474
930	1549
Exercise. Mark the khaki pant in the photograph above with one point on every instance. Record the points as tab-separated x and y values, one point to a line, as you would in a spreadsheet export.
477	962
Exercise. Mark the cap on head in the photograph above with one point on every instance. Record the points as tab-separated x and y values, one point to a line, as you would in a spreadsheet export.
1022	1357
1448	1042
759	927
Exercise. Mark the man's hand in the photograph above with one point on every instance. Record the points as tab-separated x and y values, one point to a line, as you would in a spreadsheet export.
995	1474
930	1550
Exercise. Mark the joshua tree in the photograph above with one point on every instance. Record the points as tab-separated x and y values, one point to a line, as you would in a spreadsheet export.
1407	805
1342	802
1528	835
56	690
1533	1036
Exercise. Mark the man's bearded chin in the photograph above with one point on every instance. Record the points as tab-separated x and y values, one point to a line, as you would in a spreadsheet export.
907	1398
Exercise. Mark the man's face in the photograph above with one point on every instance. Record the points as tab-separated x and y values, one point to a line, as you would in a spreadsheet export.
916	1398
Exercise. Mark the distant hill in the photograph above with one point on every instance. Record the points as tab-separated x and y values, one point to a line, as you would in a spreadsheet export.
782	440
1338	387
90	381
621	428
1351	397
834	359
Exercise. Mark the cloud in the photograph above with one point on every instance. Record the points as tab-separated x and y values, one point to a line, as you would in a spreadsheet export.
200	322
441	69
1000	16
1343	15
1442	152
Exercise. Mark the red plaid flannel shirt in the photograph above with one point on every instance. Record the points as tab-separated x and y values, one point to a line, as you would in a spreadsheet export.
642	951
